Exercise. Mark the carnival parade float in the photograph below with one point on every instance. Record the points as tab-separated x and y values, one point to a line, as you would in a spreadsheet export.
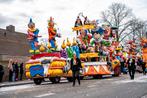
100	52
95	45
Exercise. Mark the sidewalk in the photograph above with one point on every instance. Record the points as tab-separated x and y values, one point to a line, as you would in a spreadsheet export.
23	82
6	84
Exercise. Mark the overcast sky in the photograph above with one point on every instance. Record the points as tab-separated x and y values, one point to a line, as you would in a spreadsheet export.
18	12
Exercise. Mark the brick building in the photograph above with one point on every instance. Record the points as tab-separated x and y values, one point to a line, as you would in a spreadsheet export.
13	45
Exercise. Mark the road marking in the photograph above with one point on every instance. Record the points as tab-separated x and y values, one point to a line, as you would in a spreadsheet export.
44	95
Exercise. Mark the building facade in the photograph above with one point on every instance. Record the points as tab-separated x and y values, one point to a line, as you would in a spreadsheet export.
13	45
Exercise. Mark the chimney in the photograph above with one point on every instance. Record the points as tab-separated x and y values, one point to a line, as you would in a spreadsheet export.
10	28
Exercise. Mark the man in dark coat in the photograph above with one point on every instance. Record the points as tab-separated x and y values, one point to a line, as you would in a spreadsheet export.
75	67
16	71
131	67
1	72
21	71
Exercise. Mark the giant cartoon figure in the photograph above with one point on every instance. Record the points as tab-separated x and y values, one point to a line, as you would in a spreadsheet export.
52	32
78	23
33	35
95	41
84	38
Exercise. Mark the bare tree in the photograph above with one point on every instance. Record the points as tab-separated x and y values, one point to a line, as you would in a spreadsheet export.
118	15
138	28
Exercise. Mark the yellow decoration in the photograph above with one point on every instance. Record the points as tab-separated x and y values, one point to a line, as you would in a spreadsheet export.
42	48
37	51
68	43
83	27
89	55
28	75
118	48
55	72
63	45
115	63
31	51
28	65
49	46
74	42
58	64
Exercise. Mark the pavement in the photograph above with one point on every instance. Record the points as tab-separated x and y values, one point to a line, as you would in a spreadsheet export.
6	84
108	87
23	82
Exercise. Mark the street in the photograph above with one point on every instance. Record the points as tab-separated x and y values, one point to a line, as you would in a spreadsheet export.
109	87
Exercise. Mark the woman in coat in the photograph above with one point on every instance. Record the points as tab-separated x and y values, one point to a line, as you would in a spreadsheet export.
75	67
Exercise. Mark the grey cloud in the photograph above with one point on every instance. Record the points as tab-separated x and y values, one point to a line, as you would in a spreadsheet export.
23	15
10	1
27	0
61	8
5	19
6	1
38	11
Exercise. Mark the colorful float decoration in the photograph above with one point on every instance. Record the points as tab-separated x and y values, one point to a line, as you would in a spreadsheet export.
52	32
95	45
144	49
33	37
98	43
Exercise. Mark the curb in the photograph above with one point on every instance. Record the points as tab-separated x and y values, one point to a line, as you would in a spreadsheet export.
15	84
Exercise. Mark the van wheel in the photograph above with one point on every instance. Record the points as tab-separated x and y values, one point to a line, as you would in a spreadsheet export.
55	79
69	79
37	81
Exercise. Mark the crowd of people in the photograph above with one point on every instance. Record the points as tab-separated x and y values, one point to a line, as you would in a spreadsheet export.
131	65
15	70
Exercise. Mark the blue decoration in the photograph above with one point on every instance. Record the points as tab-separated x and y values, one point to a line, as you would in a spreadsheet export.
76	50
37	70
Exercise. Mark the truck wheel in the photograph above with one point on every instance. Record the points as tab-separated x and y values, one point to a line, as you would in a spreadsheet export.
116	71
55	79
69	79
37	81
81	77
97	76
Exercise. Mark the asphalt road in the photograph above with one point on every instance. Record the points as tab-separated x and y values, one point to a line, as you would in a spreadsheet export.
118	87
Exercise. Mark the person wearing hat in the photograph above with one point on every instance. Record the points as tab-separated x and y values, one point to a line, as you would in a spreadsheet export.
75	67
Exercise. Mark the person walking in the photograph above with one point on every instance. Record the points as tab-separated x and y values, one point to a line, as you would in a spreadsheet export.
144	67
131	67
1	72
13	72
75	67
21	71
16	70
122	63
10	69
